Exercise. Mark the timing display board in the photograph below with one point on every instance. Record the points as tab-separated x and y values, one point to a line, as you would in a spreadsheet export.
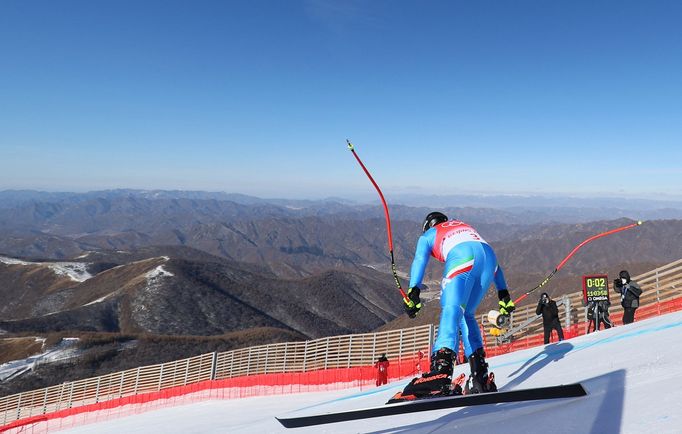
595	288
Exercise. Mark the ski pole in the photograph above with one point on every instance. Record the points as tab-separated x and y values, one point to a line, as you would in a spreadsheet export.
388	221
575	249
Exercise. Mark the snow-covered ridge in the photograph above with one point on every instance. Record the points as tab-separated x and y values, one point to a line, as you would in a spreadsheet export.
151	276
76	271
158	272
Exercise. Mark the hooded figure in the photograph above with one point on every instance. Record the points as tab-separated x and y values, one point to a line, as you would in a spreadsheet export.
629	291
381	366
550	317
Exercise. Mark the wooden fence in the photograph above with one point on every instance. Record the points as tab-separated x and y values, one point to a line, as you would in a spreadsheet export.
332	352
347	351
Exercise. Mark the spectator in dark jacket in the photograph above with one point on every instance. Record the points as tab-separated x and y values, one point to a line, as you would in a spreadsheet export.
597	314
550	317
629	292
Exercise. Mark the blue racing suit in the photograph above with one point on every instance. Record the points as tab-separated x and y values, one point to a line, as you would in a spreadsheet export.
470	267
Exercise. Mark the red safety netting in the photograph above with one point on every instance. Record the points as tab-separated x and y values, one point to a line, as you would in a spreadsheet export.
279	383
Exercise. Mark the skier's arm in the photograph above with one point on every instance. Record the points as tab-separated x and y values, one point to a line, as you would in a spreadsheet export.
421	259
506	303
499	280
538	311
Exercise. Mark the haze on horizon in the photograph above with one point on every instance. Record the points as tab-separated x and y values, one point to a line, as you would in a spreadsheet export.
532	98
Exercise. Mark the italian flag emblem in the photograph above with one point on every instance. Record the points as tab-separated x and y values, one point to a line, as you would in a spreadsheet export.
460	268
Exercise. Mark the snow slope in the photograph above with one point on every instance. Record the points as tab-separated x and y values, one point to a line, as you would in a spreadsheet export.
632	373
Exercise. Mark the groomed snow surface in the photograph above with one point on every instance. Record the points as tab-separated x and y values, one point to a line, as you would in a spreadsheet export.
632	374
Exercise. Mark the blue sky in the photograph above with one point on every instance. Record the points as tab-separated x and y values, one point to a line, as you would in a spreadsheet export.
258	97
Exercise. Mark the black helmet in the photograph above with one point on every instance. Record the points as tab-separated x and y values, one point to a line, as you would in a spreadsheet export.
433	219
624	275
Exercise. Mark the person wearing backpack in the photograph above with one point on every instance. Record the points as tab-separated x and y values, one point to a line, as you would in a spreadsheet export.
629	291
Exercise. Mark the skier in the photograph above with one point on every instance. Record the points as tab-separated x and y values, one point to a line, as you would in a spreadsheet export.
470	267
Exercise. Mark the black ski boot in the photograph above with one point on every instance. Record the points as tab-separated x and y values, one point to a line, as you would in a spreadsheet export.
480	381
438	382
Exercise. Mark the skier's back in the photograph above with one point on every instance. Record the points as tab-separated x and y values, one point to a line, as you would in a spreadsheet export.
470	266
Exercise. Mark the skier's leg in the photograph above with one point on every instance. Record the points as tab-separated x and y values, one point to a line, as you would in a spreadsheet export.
548	332
480	380
457	284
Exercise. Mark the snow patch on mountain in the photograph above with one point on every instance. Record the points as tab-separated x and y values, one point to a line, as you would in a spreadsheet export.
12	261
65	349
76	271
157	272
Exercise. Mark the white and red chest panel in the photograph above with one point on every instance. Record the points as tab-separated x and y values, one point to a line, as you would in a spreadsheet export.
450	234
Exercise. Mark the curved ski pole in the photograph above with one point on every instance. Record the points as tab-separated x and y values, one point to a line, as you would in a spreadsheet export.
575	249
388	223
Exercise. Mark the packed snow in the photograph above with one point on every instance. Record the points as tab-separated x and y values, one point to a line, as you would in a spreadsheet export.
632	375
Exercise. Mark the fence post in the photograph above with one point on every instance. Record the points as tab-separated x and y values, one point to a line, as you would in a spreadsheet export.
305	356
567	309
99	379
658	295
19	407
186	372
137	380
284	362
158	388
350	352
431	339
326	354
214	365
400	346
267	353
374	347
232	365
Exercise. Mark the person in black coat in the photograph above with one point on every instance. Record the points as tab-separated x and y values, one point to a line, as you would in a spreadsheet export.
629	292
597	314
550	316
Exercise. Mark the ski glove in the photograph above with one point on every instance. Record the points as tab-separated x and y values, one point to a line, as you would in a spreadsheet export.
506	303
412	304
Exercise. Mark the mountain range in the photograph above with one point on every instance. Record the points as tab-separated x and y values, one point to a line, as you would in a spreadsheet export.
196	265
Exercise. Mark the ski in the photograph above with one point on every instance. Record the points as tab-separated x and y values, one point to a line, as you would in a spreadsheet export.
539	393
